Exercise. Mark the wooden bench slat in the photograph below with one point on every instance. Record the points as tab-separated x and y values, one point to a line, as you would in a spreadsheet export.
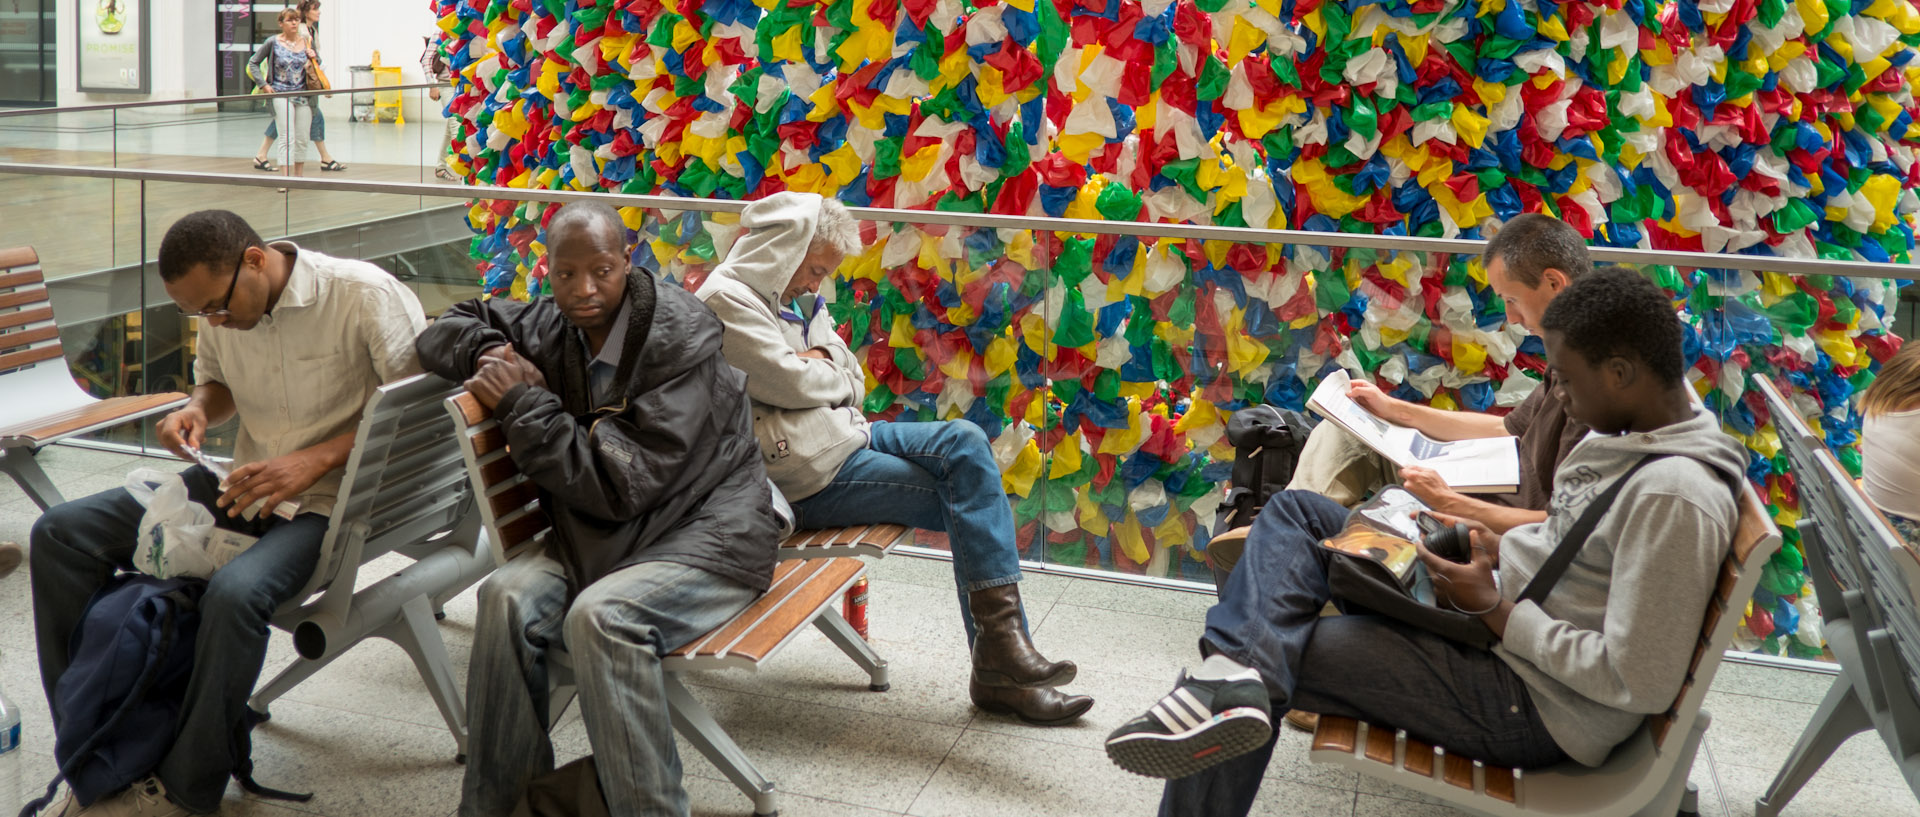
1458	771
18	257
106	411
497	471
22	297
489	440
1501	785
514	498
25	317
1336	734
10	341
822	588
1380	744
29	357
1419	758
471	409
21	278
523	529
787	576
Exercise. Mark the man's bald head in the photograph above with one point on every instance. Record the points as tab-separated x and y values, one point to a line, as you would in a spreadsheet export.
590	223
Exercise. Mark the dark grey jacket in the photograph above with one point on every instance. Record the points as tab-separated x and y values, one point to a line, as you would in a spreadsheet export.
670	473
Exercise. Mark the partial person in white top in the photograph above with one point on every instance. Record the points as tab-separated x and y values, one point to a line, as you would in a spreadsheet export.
1890	442
292	344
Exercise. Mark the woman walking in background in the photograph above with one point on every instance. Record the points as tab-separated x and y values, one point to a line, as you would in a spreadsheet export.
280	64
310	16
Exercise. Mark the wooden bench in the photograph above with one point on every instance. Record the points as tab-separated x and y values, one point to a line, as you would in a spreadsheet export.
43	404
404	491
1646	775
1868	583
807	583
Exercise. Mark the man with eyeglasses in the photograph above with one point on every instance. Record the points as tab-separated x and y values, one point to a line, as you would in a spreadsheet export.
292	343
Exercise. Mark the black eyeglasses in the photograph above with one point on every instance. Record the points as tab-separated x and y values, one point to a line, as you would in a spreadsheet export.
224	302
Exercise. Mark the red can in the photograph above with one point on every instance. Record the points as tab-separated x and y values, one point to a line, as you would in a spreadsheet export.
856	606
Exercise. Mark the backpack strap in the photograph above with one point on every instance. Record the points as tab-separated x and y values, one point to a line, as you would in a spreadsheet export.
1562	557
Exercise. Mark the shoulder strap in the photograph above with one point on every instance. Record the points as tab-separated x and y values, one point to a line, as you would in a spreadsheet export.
1576	538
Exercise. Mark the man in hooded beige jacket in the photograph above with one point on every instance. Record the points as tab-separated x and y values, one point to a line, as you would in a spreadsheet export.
838	469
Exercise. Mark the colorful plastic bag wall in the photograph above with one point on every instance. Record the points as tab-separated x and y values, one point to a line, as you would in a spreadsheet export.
1104	367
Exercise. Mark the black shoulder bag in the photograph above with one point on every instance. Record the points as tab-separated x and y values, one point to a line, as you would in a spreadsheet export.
1364	585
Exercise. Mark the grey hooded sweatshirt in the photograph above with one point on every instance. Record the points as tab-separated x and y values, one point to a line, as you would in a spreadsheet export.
806	411
1610	645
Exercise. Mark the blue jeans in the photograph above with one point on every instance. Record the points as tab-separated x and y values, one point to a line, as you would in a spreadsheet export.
615	632
78	545
930	476
1361	666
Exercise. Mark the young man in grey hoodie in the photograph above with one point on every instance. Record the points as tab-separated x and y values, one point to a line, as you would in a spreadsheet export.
839	469
1572	674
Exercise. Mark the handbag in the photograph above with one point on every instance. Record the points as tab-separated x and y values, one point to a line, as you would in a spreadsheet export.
1367	583
316	78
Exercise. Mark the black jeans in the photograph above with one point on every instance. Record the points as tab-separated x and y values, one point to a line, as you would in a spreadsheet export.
1368	667
78	545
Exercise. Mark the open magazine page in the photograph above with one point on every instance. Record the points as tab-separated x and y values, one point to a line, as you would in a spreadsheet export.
1383	529
1486	465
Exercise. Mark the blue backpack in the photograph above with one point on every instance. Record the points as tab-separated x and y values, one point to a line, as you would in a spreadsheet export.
116	710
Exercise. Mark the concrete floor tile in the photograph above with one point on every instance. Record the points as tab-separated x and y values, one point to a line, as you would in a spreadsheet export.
827	752
356	764
1144	646
1373	805
1824	795
1128	598
1780	684
992	774
1758	733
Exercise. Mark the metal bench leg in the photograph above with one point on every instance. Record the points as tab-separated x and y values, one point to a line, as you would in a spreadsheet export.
843	636
20	464
561	691
415	632
291	677
697	725
1839	717
1674	792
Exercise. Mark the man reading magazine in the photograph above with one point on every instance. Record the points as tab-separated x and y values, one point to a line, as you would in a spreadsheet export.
1529	262
1572	673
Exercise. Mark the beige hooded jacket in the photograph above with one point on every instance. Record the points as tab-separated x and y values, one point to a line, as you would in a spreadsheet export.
806	412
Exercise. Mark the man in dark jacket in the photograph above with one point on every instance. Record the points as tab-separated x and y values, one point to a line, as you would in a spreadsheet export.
616	402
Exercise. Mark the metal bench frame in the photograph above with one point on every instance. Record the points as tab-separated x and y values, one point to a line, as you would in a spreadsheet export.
1867	581
45	406
1646	775
404	491
511	518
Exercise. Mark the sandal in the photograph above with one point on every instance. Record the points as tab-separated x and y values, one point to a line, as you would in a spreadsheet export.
445	175
262	164
332	166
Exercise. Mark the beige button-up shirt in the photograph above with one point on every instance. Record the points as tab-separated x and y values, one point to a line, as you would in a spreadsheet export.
341	329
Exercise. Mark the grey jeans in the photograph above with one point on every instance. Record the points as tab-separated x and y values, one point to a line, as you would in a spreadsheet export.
77	546
615	633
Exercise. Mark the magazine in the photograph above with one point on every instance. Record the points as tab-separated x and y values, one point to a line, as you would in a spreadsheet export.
1488	465
1383	530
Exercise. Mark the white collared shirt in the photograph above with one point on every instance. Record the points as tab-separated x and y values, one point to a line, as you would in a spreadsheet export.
341	329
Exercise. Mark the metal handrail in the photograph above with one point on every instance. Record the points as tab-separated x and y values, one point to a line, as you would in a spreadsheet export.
1238	235
157	103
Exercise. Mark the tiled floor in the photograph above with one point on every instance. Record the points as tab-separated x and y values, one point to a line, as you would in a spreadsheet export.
365	738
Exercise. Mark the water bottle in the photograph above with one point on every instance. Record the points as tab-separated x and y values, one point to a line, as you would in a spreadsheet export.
10	755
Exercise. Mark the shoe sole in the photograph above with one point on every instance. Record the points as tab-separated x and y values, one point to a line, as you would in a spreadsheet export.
1063	720
1228	735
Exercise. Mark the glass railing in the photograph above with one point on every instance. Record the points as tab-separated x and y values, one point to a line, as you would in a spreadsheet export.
389	134
1101	358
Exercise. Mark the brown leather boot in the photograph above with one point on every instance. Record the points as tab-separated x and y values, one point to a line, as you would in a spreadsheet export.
1003	654
1039	707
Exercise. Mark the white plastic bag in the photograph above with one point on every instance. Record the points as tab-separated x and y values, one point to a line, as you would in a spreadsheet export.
174	530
